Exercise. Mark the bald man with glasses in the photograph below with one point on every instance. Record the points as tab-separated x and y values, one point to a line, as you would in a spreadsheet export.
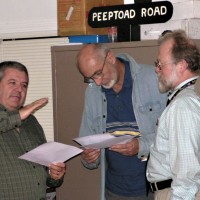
122	95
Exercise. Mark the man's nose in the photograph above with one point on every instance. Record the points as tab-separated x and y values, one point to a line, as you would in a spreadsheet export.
19	88
98	81
157	69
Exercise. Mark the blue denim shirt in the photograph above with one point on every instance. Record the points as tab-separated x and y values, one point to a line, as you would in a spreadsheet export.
148	104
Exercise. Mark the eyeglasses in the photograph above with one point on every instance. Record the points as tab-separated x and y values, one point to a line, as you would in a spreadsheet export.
98	74
159	64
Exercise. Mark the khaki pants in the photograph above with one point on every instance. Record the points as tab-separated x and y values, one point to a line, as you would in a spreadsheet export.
166	194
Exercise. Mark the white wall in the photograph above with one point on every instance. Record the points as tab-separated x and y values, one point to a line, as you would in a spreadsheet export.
28	18
38	18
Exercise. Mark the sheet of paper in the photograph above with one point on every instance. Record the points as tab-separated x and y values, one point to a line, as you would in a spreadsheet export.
99	141
51	152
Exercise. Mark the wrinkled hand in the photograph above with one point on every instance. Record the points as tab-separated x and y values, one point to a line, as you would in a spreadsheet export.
128	149
90	155
57	170
32	107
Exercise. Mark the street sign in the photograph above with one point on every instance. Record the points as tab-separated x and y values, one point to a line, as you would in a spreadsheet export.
135	14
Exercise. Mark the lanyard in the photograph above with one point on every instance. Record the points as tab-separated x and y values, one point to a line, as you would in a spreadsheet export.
180	89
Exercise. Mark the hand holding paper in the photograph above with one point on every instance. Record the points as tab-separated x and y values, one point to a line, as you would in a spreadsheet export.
57	170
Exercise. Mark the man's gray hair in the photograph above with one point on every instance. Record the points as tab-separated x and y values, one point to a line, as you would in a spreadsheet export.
183	48
12	64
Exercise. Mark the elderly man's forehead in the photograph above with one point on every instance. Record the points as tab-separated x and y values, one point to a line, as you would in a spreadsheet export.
86	61
88	56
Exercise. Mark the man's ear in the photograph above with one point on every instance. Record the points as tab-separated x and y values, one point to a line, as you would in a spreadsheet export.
111	57
182	66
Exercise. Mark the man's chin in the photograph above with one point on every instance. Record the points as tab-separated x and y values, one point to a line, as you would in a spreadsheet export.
14	106
110	85
163	89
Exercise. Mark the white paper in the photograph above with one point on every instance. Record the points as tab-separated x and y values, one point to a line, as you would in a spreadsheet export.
105	140
51	152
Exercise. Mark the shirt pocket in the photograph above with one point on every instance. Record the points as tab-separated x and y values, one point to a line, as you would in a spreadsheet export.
150	107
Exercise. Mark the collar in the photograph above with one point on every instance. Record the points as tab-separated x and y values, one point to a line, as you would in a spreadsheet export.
172	93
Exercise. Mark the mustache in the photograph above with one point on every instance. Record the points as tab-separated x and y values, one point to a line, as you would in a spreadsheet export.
16	95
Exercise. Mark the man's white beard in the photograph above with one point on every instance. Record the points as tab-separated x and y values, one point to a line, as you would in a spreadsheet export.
111	84
167	85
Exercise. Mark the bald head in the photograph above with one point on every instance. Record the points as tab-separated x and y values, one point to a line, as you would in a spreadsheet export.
89	56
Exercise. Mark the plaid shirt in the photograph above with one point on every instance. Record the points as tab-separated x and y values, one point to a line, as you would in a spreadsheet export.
20	179
175	151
